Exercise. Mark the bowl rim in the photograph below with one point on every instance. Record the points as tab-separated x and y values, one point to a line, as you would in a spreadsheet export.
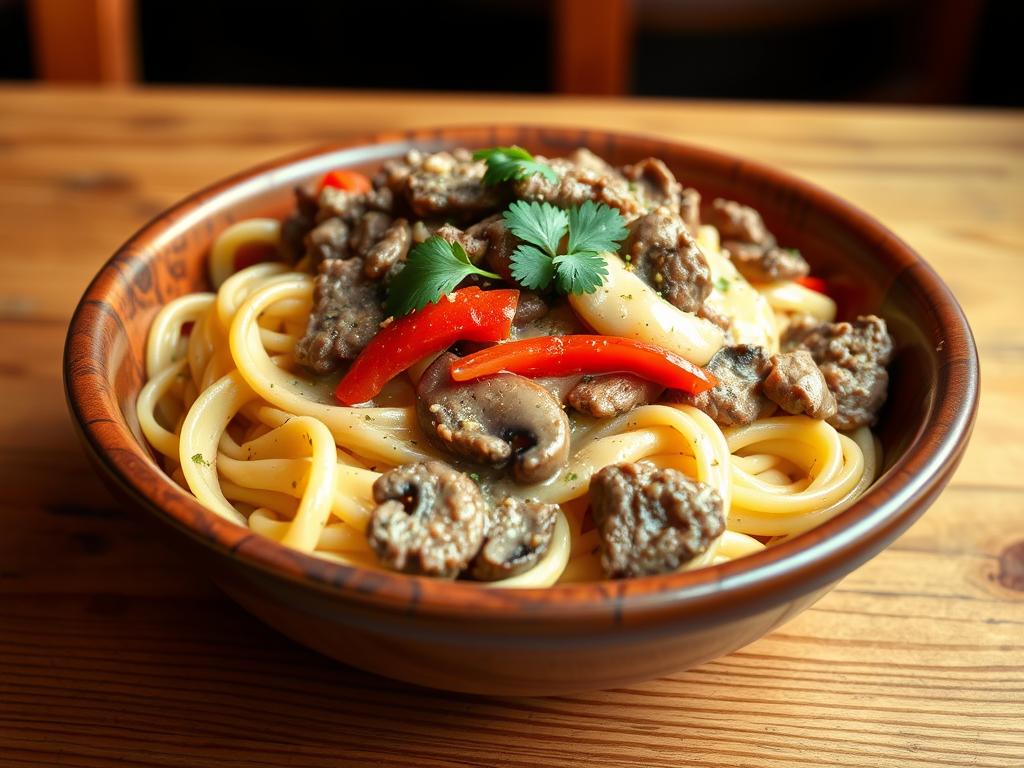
808	562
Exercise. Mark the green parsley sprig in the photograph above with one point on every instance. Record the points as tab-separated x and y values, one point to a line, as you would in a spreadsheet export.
512	163
432	270
577	268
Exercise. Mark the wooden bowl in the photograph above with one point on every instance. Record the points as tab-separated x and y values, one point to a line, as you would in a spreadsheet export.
568	638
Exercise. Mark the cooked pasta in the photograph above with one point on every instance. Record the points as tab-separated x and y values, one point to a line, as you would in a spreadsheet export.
260	439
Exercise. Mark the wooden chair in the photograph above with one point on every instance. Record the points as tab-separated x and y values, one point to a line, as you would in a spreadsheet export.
96	40
90	41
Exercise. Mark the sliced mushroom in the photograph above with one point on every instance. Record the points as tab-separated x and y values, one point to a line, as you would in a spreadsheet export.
429	519
498	420
518	534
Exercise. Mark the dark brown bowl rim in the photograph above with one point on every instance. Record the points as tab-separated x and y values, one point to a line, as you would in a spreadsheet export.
808	562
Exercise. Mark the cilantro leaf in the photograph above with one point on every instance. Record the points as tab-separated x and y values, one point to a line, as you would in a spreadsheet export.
581	272
532	268
540	224
432	270
595	227
508	163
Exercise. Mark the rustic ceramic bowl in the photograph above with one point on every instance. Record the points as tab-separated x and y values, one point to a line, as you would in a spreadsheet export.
582	636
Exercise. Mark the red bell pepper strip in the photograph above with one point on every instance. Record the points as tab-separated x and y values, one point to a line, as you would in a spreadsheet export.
351	181
814	283
561	355
469	314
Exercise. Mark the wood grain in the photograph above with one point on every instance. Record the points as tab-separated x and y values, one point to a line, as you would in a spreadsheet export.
113	652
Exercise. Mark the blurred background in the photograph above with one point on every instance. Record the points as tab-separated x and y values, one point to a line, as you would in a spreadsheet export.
903	51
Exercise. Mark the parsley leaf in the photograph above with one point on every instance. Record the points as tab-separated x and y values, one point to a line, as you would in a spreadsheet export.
592	228
581	272
532	268
432	270
595	227
508	163
722	284
542	225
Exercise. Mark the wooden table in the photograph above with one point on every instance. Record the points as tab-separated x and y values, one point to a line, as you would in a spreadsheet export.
114	651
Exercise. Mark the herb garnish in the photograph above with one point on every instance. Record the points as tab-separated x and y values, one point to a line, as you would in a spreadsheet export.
433	269
508	163
197	458
591	227
722	284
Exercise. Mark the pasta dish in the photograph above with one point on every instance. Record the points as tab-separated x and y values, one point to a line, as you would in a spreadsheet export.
515	370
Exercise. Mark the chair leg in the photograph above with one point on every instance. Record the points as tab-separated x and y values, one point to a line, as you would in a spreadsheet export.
593	42
84	40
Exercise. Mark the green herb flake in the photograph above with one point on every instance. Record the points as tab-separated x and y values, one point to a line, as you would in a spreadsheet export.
475	477
512	163
571	477
432	270
588	229
721	284
197	458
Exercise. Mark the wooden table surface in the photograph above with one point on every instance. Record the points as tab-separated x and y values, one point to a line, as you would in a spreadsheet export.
114	651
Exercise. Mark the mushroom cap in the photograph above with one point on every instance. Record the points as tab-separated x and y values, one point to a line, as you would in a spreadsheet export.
497	420
429	519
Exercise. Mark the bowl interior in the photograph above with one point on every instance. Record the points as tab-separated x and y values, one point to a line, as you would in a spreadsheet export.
871	270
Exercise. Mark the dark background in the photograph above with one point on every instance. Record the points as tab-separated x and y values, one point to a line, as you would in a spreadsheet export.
907	51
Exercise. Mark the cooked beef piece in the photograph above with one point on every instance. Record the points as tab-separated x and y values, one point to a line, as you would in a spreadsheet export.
560	386
689	209
735	221
798	328
475	245
328	240
367	231
737	398
612	394
487	243
498	420
714	316
752	247
581	176
350	206
559	320
380	199
654	184
666	257
529	309
500	245
346	315
449	184
295	228
342	204
798	386
394	174
852	358
765	265
518	534
652	520
391	248
429	519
